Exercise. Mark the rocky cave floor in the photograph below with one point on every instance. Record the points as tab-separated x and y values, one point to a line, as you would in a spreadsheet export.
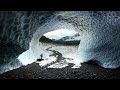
86	71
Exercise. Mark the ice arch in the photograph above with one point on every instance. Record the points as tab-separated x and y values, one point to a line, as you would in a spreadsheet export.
53	25
99	35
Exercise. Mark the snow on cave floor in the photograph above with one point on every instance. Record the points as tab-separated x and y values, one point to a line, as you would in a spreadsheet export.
54	56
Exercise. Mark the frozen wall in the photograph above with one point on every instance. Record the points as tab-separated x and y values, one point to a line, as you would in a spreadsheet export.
16	31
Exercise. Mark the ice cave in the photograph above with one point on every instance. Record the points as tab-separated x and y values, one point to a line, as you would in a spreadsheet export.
21	31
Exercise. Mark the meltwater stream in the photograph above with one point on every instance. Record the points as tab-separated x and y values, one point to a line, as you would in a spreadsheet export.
54	56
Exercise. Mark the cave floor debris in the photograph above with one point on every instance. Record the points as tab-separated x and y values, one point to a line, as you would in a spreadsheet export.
86	71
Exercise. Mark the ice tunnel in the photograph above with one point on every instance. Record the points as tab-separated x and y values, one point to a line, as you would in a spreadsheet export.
99	34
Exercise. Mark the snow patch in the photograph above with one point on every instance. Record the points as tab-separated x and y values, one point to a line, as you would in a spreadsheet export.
47	61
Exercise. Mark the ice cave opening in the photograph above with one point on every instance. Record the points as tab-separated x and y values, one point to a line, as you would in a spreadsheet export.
57	49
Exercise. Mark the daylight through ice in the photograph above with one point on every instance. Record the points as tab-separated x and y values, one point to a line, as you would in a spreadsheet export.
59	56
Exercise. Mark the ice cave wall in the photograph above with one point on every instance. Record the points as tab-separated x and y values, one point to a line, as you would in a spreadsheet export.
16	30
19	26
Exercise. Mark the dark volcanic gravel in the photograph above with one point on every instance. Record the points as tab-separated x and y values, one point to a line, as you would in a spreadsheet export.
87	71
